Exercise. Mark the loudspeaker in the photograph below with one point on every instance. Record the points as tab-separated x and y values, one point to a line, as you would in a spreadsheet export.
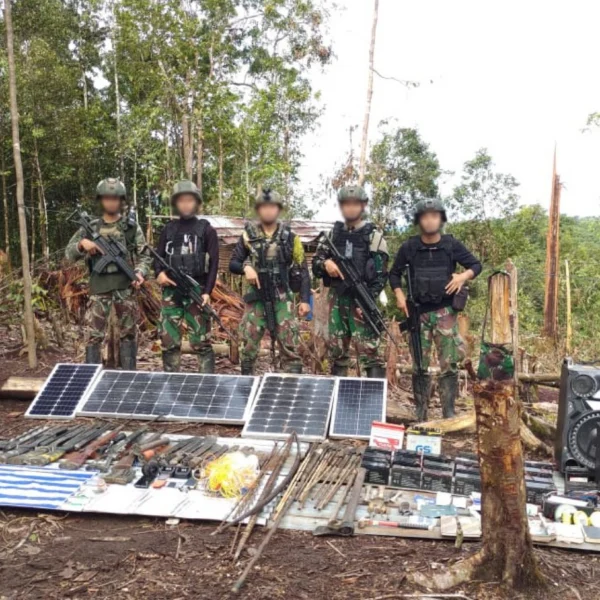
578	426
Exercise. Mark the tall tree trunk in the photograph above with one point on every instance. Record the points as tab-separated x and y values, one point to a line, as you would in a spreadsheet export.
247	174
14	117
188	147
365	131
32	211
221	185
42	206
199	156
134	186
286	160
117	98
5	206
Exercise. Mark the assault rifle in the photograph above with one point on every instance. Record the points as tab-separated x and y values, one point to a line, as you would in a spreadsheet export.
190	288
360	292
412	324
113	251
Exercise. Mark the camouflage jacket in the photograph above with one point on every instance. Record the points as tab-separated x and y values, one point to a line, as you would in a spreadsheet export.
112	279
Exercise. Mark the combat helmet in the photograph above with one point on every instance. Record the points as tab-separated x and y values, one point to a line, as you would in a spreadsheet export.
185	187
111	187
429	205
352	192
268	196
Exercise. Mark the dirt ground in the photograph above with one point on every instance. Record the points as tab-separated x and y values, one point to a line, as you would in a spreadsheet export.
52	555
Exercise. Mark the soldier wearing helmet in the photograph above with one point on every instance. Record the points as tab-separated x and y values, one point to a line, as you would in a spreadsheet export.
433	258
356	238
112	287
271	243
191	243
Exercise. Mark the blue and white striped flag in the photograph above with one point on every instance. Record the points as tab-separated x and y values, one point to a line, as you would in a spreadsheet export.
39	487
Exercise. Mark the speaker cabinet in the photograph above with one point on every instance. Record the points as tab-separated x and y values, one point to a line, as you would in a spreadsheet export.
578	426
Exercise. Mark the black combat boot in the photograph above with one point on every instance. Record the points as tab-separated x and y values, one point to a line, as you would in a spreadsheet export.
295	368
376	372
171	361
421	391
247	367
128	355
206	361
339	370
93	355
448	384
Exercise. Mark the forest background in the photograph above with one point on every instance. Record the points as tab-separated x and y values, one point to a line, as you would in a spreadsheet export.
220	91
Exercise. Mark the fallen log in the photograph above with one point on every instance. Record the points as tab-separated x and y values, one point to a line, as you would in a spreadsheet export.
539	427
533	442
21	387
399	414
454	424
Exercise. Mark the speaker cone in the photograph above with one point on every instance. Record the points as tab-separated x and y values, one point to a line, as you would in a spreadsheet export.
584	439
584	386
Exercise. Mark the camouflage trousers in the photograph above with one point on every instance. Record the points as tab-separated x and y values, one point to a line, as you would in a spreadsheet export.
98	311
346	324
177	310
253	327
439	328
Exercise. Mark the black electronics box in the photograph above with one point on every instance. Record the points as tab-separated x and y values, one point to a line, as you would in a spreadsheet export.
537	490
406	477
579	479
466	483
437	481
377	464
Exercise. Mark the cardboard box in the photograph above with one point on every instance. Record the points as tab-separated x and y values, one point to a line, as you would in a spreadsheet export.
387	436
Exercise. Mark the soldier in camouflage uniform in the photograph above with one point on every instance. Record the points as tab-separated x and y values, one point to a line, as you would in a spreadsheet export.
112	287
272	244
432	259
192	244
364	243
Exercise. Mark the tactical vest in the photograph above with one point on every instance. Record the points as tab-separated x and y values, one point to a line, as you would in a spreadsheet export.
275	252
112	279
353	244
432	268
187	251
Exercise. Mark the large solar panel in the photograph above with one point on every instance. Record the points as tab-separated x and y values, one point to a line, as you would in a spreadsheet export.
357	404
62	392
287	403
174	396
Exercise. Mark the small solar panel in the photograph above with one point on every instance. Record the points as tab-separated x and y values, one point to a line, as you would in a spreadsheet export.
173	396
62	392
287	403
357	404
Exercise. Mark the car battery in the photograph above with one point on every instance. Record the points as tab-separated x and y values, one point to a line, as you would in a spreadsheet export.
377	464
440	480
466	483
405	477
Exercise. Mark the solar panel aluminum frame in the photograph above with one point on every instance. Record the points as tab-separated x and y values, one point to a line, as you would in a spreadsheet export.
169	418
332	433
92	381
284	436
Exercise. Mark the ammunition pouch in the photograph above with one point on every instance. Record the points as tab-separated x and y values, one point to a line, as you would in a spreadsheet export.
194	265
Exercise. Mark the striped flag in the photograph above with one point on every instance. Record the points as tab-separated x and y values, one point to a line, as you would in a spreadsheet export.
39	487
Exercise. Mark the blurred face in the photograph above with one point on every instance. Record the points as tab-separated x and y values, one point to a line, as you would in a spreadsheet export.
111	205
430	222
268	213
186	205
352	209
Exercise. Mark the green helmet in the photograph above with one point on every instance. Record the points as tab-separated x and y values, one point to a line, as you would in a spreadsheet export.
352	192
268	196
429	205
185	187
110	187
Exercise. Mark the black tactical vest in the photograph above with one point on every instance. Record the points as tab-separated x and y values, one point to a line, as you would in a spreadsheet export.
432	268
355	245
275	253
187	251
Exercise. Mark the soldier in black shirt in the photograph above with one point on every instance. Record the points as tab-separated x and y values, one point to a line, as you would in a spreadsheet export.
432	258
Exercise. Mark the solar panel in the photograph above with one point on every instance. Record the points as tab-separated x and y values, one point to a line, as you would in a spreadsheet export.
287	403
174	396
62	392
357	404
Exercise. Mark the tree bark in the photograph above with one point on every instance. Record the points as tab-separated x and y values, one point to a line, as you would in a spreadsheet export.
42	206
188	154
365	132
5	206
117	98
14	117
221	184
199	156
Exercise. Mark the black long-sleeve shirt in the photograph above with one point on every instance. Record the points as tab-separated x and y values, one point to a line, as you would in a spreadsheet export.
460	256
211	242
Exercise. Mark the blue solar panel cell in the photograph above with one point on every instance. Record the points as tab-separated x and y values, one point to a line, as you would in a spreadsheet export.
62	392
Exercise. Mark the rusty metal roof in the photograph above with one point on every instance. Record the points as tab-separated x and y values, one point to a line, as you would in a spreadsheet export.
229	229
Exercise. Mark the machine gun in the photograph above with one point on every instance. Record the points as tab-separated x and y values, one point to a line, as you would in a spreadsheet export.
360	292
75	460
113	251
412	324
190	288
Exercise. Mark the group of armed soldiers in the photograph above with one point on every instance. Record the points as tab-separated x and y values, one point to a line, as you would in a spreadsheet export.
272	259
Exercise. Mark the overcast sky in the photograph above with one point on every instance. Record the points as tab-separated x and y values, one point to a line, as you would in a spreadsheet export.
512	76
